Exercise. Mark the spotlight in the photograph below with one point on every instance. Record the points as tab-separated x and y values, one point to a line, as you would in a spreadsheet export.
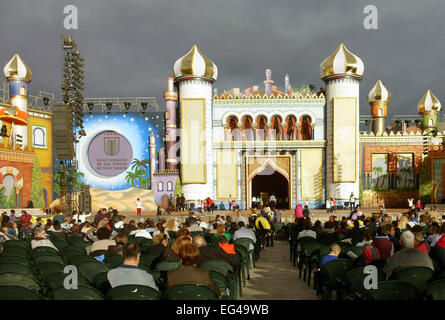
144	106
109	106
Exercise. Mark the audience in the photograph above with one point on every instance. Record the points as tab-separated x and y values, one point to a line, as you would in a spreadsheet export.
40	239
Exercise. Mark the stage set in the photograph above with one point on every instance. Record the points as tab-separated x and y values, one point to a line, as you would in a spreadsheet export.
296	143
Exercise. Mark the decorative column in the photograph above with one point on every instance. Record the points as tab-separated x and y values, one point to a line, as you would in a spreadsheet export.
170	97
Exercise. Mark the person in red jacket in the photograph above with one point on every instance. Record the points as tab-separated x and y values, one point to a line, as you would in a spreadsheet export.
420	242
418	205
25	218
225	245
382	243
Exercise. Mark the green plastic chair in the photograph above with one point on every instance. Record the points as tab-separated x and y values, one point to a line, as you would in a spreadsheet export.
221	271
55	280
246	242
81	293
18	293
435	290
172	234
14	267
114	260
307	257
244	257
101	283
190	292
91	269
149	260
145	243
77	260
19	243
42	259
44	251
357	250
68	252
133	292
167	266
17	278
97	253
393	290
15	259
14	247
352	286
77	242
47	268
59	243
417	276
336	270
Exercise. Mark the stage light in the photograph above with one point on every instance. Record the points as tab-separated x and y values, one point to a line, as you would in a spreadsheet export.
144	106
109	106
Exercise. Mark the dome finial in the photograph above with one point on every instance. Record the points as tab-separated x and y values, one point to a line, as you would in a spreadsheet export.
195	64
17	69
428	103
342	62
379	94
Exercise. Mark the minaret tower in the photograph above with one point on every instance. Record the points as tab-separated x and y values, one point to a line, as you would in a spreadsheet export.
342	72
19	76
378	98
152	150
429	107
195	74
170	97
268	82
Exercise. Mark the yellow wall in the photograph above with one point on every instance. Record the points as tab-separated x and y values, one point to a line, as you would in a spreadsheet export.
227	174
311	173
345	138
45	156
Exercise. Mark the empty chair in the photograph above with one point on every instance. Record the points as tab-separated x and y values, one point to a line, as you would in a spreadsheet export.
336	271
435	290
353	284
42	251
42	259
90	269
47	268
133	292
114	260
190	292
16	278
55	280
101	283
393	290
417	276
82	292
18	293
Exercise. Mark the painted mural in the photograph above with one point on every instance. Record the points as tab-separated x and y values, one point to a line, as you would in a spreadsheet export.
380	171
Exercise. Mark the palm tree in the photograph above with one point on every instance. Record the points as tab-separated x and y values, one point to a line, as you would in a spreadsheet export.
407	173
398	180
131	178
378	171
140	175
145	181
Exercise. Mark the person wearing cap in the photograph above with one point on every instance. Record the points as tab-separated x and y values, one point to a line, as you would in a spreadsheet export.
408	256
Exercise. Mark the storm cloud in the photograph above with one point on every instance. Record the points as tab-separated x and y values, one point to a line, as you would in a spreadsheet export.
130	46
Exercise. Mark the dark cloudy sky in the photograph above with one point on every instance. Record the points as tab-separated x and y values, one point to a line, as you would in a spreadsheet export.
130	46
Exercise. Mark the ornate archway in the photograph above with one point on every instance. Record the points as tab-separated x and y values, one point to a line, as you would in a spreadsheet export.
258	164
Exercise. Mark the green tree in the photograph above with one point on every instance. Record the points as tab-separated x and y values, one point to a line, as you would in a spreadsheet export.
178	189
140	176
36	186
425	186
10	203
3	197
131	178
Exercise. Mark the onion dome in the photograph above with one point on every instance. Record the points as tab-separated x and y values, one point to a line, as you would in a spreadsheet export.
342	61
428	103
379	94
195	64
17	69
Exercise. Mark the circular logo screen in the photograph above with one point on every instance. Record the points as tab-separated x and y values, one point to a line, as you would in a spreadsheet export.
109	153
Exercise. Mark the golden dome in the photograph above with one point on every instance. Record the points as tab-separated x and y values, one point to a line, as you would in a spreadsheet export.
341	61
17	69
195	63
428	103
379	94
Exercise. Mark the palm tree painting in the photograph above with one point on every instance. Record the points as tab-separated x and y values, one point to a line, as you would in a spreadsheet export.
131	178
405	170
380	171
139	177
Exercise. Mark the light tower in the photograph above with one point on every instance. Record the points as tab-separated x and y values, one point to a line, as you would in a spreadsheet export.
342	72
170	97
195	74
19	76
429	107
152	149
378	98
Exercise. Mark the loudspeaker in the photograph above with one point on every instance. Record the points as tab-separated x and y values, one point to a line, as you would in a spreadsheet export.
85	199
63	131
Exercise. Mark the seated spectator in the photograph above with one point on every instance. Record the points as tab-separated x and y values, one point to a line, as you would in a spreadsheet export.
367	239
225	245
438	250
433	235
120	224
194	227
420	242
221	230
191	218
141	231
171	225
160	242
408	256
129	272
214	228
240	217
12	216
391	231
207	252
121	240
369	255
342	228
188	273
58	232
40	239
103	242
244	232
12	229
382	242
307	232
171	253
150	226
332	255
4	234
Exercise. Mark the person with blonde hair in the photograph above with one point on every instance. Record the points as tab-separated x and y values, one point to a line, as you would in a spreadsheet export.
171	225
402	222
171	253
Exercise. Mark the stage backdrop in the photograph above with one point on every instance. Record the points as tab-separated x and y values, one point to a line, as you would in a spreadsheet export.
115	153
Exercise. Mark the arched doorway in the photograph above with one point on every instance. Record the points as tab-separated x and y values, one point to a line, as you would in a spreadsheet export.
271	182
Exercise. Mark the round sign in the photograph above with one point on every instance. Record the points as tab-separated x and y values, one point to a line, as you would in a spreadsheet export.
110	153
